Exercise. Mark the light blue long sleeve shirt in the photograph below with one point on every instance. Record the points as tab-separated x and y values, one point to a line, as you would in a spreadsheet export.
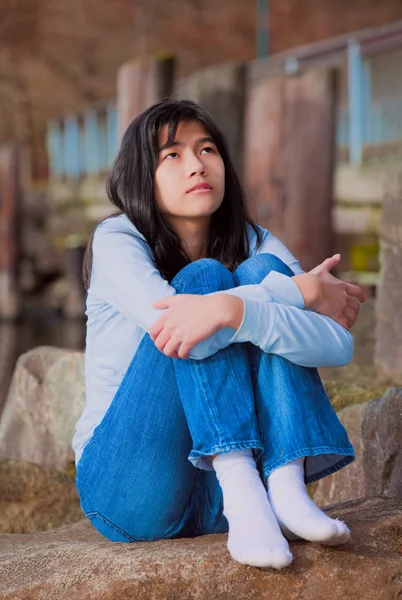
124	284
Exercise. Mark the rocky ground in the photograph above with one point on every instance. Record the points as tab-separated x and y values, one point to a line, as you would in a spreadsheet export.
76	562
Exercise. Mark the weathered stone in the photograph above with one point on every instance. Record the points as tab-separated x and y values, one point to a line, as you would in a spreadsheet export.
35	498
382	440
375	430
77	562
46	399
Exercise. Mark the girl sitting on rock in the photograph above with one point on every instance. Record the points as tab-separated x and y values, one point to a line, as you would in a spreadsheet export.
203	340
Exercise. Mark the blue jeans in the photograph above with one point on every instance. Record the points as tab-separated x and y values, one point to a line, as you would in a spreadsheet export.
136	477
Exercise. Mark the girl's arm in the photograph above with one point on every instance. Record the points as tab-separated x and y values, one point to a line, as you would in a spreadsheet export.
124	276
302	337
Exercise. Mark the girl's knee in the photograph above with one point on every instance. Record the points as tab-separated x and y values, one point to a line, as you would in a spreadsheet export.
203	276
254	269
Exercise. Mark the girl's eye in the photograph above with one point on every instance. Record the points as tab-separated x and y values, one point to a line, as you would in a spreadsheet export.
208	148
171	154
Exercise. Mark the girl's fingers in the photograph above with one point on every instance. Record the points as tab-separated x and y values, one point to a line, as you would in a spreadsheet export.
161	340
156	328
171	348
350	315
162	303
183	351
332	261
356	291
342	321
354	304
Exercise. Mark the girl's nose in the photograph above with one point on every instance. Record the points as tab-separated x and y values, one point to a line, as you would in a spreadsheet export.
197	168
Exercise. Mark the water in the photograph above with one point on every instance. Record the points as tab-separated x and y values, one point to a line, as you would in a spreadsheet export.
45	329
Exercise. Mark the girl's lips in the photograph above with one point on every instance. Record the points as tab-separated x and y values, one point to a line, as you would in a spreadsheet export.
203	187
200	191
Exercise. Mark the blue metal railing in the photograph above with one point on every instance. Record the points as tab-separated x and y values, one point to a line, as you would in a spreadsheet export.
84	143
366	121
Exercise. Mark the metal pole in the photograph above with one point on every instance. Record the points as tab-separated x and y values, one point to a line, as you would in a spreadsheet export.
262	29
355	103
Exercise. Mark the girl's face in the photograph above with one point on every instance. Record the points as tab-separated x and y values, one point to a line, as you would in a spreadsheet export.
190	175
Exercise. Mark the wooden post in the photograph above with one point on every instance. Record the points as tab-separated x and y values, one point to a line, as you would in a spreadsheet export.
309	161
139	85
74	303
263	150
289	158
10	302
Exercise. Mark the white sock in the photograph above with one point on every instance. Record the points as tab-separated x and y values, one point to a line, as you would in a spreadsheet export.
296	512
254	535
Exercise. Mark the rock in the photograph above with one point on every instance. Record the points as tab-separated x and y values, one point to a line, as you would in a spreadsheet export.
382	439
35	498
77	562
375	430
46	399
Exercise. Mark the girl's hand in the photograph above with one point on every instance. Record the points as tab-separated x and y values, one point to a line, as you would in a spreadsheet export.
330	296
191	318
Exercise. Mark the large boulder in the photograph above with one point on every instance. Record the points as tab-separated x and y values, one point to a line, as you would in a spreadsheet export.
35	498
375	430
46	398
77	562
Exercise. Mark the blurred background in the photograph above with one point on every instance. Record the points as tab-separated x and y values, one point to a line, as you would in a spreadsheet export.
309	95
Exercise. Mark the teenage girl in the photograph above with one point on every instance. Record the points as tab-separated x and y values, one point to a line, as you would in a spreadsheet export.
204	410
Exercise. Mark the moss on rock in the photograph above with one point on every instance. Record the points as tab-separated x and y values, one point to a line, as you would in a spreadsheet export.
343	394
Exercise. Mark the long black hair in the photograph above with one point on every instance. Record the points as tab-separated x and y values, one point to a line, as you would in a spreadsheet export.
130	187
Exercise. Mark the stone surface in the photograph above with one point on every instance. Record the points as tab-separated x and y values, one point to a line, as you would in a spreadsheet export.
46	398
375	430
35	498
77	562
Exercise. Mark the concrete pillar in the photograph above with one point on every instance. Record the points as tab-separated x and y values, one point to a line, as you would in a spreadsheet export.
388	338
140	84
10	201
